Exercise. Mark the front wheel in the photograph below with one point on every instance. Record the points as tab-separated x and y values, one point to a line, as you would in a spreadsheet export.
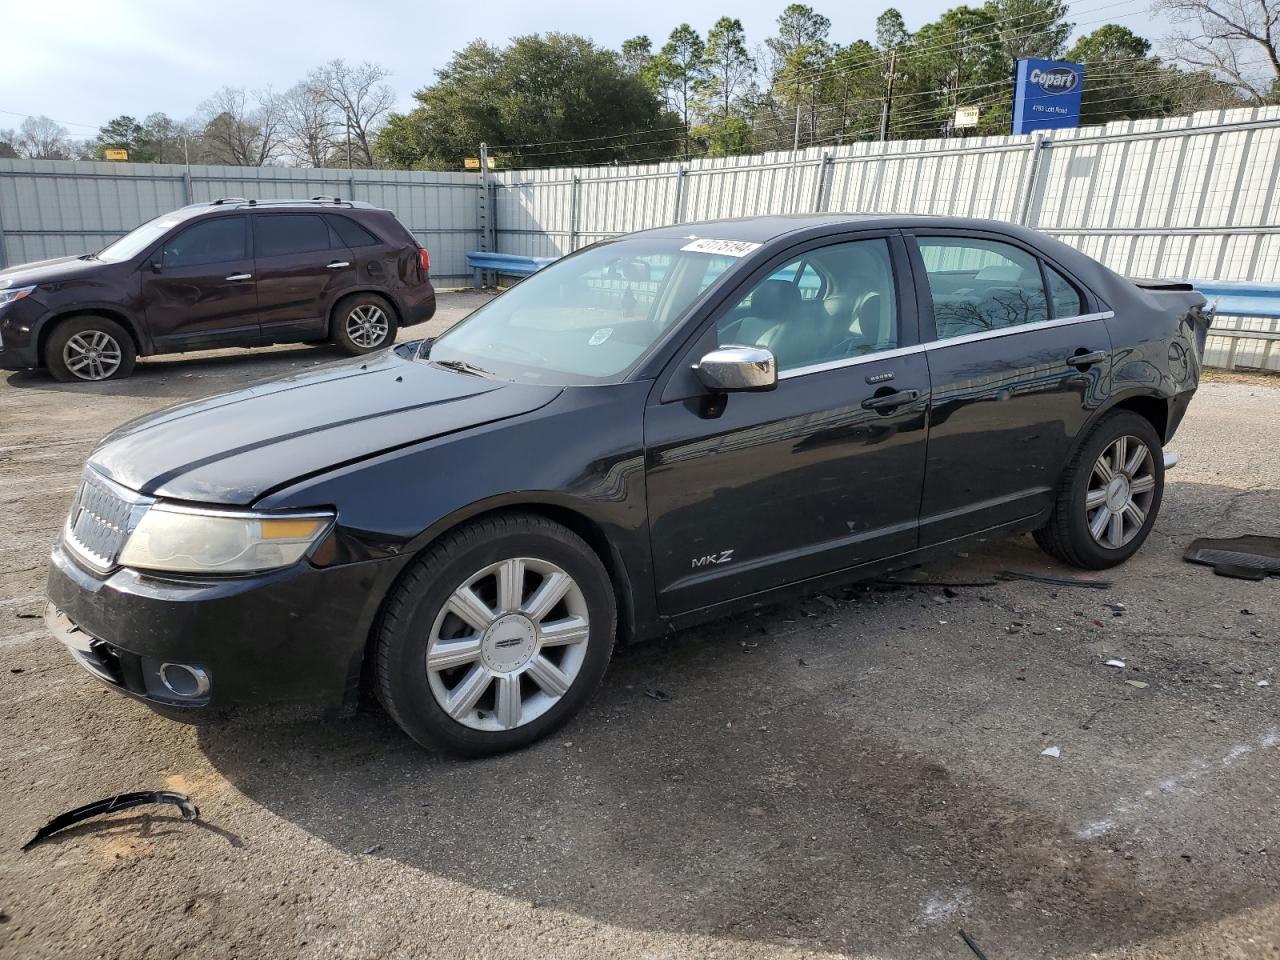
495	636
89	349
363	323
1109	495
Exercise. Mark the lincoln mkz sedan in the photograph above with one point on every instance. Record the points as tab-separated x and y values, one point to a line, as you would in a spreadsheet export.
650	432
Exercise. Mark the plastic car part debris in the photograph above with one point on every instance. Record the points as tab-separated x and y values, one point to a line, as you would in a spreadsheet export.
653	693
1055	581
121	801
1054	752
1250	557
1137	683
977	950
1118	664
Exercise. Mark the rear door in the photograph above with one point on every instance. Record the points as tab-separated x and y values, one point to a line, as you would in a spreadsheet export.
302	267
198	289
751	491
1020	358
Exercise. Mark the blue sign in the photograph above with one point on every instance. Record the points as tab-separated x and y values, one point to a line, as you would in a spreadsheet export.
1046	95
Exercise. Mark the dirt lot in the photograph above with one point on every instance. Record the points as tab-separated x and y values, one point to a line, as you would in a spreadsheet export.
857	774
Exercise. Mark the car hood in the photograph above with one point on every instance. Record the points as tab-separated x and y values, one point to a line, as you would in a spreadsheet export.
233	448
49	271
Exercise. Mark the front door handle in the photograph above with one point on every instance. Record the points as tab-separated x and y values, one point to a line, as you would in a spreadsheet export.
241	276
339	264
887	401
1082	358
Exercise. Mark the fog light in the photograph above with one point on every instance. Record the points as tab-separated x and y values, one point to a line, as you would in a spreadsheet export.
184	681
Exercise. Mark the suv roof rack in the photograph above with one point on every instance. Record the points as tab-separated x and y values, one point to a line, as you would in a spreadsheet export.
221	200
324	196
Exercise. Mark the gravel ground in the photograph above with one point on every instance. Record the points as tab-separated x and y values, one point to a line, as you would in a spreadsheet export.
858	774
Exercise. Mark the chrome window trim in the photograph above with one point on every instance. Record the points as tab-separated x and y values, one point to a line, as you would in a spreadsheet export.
936	344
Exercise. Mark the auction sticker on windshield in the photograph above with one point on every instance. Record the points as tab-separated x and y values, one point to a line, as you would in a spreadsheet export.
726	248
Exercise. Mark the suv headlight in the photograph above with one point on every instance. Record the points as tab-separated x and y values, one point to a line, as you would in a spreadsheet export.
185	540
14	293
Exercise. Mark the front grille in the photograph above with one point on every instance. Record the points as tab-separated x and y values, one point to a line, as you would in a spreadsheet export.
102	516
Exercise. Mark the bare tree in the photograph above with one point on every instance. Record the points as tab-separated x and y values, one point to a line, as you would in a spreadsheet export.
310	123
40	138
242	129
359	95
1237	40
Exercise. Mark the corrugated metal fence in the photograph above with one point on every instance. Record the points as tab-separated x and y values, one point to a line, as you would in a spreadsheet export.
1175	197
53	208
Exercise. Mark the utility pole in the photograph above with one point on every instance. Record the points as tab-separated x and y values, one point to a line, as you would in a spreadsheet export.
795	143
348	118
888	95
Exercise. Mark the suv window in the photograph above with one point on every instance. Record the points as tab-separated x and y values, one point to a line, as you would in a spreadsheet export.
277	234
833	303
210	241
981	285
351	233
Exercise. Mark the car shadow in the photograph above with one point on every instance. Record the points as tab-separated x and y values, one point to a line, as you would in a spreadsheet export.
784	776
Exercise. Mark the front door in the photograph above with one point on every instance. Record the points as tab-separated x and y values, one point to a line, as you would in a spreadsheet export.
198	290
1019	364
750	491
302	267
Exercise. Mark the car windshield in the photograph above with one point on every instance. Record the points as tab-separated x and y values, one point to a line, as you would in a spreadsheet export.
137	240
588	318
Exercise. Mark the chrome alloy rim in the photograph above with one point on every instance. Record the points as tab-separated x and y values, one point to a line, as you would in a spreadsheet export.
92	355
367	325
507	644
1121	487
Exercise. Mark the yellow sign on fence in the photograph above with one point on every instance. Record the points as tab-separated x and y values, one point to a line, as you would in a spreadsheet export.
473	163
115	153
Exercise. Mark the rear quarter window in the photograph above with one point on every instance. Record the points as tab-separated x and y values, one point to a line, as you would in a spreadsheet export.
351	233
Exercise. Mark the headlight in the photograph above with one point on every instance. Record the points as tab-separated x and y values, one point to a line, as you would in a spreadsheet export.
183	540
15	293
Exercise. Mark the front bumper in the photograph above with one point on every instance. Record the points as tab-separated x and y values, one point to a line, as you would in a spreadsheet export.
291	641
19	349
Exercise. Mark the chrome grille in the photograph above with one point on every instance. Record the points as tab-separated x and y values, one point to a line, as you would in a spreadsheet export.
102	516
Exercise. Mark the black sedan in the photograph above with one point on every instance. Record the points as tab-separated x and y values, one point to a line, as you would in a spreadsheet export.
653	431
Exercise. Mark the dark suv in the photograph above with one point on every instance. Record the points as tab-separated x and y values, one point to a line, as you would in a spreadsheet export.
228	273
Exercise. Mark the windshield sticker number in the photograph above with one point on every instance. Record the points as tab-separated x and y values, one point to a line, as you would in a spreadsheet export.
600	336
725	248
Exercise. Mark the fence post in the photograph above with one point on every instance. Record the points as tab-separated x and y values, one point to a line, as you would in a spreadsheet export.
186	187
677	215
1033	181
822	194
484	217
573	214
4	259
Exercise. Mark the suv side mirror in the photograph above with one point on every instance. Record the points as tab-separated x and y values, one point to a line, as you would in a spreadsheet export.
736	369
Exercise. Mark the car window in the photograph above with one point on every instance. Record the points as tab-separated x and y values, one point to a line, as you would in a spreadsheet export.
834	303
351	233
1066	299
981	285
276	234
210	241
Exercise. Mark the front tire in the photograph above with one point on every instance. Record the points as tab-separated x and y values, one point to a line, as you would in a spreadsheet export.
89	349
1109	495
495	636
363	323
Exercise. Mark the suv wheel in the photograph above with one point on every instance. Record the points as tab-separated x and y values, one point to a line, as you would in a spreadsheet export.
89	348
362	323
495	636
1109	496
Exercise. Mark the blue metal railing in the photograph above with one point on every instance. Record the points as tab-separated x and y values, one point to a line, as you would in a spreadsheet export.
1237	299
504	264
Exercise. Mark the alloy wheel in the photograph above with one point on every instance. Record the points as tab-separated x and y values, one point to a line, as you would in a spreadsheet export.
1120	491
508	644
92	355
367	325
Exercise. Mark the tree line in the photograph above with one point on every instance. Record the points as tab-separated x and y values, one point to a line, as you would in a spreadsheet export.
558	98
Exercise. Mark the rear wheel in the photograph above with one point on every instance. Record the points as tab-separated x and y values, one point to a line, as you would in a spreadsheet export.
89	349
1109	496
363	322
496	636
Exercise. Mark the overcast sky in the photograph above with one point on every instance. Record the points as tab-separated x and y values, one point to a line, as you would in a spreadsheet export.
83	63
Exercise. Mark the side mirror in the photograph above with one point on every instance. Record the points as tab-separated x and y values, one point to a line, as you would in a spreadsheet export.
156	266
730	369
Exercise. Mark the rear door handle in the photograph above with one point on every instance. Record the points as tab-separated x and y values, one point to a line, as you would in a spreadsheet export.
241	276
1083	360
888	401
339	264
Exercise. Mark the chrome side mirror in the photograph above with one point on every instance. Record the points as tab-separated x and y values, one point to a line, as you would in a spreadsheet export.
729	369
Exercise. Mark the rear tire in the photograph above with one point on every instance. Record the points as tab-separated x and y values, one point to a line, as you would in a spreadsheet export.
1109	495
495	636
363	323
89	349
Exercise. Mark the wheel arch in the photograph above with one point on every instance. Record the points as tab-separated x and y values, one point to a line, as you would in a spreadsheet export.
53	321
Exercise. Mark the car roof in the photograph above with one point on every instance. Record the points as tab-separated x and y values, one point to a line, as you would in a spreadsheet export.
768	228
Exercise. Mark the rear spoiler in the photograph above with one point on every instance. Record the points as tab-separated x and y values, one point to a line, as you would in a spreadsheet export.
1171	286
